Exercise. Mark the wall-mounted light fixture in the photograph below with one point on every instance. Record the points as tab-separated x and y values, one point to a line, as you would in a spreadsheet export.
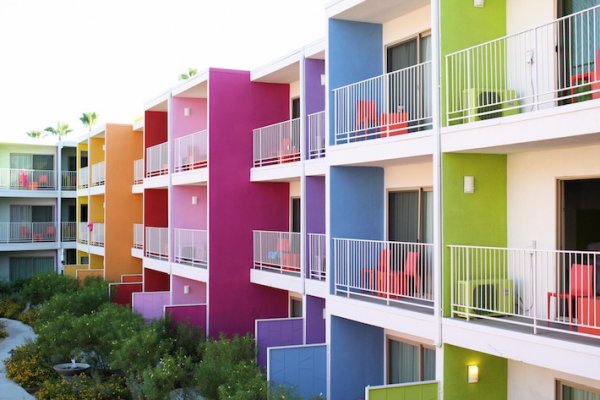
478	3
186	111
469	184
186	289
194	200
473	373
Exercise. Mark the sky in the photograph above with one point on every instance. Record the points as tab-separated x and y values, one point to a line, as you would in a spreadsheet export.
61	58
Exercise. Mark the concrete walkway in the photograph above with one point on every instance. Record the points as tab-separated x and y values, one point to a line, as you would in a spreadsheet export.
18	333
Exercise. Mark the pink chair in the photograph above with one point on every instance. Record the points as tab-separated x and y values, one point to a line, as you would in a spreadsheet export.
366	114
596	84
581	284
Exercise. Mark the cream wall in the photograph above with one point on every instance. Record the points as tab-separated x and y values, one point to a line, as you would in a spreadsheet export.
532	191
294	92
294	189
534	383
522	15
409	176
407	26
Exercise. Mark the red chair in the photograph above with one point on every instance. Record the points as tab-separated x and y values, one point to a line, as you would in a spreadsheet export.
581	284
411	274
366	114
43	181
393	124
596	84
592	76
50	232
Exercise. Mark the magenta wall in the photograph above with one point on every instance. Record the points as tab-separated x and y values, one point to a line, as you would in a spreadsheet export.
236	107
197	294
196	121
195	315
150	305
155	281
186	214
156	203
155	128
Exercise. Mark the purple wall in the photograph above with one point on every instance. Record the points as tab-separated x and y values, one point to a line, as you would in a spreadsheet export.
197	294
150	304
315	92
194	314
236	107
276	332
186	214
315	323
315	204
196	121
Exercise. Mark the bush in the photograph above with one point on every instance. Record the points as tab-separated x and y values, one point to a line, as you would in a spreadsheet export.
245	382
173	372
42	287
3	330
29	317
9	308
83	387
28	367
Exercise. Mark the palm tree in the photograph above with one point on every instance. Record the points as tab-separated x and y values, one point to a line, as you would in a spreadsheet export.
34	134
61	129
89	120
187	75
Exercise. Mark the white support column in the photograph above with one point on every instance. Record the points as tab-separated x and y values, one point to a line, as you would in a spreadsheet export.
170	192
303	153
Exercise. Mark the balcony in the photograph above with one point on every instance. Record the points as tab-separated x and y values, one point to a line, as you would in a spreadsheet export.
277	144
392	104
27	179
157	243
27	232
551	65
138	236
138	171
527	289
277	252
316	135
68	231
69	180
191	247
96	234
389	273
191	151
84	178
83	233
99	174
157	160
317	259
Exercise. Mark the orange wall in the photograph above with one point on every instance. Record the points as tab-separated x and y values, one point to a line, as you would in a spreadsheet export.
123	208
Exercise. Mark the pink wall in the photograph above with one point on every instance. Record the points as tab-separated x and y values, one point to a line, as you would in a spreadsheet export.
195	315
236	202
156	203
155	281
196	295
186	214
196	121
155	128
150	304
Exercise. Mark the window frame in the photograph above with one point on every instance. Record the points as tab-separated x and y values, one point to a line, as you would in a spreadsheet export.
422	346
421	207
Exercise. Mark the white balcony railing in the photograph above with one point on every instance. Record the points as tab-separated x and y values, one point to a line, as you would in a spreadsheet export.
392	104
27	232
138	171
99	174
26	179
157	160
68	231
68	180
191	247
96	234
543	289
138	236
83	180
393	272
316	135
83	233
552	64
191	151
277	144
157	243
317	260
277	251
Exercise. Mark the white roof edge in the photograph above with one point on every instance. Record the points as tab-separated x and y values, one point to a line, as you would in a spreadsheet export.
139	125
190	83
276	65
315	47
157	100
336	7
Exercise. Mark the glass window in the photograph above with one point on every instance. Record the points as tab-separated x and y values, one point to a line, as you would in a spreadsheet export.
572	392
409	362
410	216
26	267
295	307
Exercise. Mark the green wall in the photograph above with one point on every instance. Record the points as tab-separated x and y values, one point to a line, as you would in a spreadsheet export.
421	391
7	148
493	375
477	219
463	26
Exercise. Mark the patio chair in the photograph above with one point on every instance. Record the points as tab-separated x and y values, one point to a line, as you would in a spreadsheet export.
581	284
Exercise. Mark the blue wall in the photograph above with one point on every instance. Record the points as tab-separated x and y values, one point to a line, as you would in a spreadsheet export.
356	358
355	53
304	367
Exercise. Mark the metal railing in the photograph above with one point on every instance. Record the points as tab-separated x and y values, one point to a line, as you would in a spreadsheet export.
277	144
83	233
392	104
27	232
543	289
69	180
96	234
83	180
277	251
191	247
99	173
394	272
157	160
317	258
138	171
191	151
68	231
138	236
157	243
552	64
27	179
316	135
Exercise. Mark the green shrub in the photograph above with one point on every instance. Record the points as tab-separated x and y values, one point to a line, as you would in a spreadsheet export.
29	317
42	287
172	372
83	387
9	308
28	367
244	382
3	330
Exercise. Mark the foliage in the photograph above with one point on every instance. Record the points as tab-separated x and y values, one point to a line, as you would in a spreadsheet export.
171	373
34	134
9	308
88	119
3	330
188	74
83	387
28	367
40	288
29	317
244	382
61	129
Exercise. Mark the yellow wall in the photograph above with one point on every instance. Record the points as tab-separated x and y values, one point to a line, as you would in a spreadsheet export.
81	254
96	261
96	209
96	154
